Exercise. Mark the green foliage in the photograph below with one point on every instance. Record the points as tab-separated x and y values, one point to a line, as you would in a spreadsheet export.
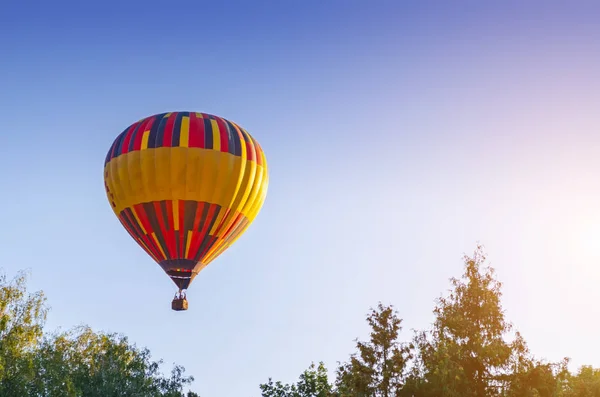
465	352
378	367
469	351
586	383
22	318
313	382
77	363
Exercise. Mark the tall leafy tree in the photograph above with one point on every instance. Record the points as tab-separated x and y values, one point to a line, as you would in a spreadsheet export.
466	351
377	369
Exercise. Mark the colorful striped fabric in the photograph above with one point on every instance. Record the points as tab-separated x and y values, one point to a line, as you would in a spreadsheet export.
185	186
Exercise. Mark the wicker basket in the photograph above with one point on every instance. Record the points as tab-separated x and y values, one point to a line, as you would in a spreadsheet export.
179	304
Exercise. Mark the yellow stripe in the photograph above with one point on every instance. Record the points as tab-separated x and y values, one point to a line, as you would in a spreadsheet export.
176	214
243	172
212	255
222	245
218	221
192	175
239	234
258	190
158	244
243	144
188	239
145	140
210	252
216	135
225	192
184	137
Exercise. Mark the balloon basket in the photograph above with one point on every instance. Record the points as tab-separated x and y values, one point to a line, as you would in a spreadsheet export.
179	304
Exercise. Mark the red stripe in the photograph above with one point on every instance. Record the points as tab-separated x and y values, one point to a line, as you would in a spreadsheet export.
157	248
259	158
209	216
168	133
127	228
126	222
181	213
152	246
171	241
142	244
161	224
201	138
141	214
171	245
194	139
129	214
143	241
164	227
194	245
125	145
198	217
183	233
211	243
250	153
170	223
224	135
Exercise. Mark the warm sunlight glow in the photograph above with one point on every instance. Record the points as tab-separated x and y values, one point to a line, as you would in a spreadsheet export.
589	242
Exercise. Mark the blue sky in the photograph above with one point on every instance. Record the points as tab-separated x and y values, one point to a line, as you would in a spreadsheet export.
398	134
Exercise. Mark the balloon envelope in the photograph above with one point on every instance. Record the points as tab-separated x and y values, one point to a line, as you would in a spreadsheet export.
185	185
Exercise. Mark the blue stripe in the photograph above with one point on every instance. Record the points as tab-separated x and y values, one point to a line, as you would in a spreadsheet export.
134	135
118	143
119	150
208	134
177	130
154	130
109	155
235	146
161	132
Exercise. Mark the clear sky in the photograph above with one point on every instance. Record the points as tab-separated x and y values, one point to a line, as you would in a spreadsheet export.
398	134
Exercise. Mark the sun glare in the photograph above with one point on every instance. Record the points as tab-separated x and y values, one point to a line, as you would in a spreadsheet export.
589	242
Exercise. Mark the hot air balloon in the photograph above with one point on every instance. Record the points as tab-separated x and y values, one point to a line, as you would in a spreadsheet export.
185	186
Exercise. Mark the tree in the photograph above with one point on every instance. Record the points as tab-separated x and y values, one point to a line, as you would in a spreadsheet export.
82	362
76	363
313	382
22	318
585	383
465	352
377	369
527	377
